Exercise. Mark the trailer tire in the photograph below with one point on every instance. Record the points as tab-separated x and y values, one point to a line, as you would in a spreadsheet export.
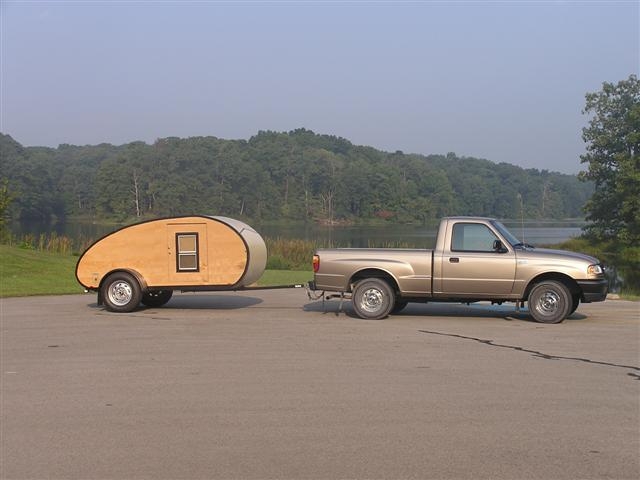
550	302
156	298
373	299
121	292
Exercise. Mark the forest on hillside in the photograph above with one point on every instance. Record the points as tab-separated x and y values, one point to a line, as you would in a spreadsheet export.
297	176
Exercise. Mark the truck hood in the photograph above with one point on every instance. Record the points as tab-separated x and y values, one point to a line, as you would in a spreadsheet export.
546	253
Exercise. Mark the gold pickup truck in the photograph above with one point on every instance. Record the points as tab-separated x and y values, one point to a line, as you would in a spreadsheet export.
475	259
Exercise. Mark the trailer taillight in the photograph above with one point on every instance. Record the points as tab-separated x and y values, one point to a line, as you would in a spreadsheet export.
316	263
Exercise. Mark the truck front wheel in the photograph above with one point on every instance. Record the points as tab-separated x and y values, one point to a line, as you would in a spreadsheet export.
550	302
373	299
121	292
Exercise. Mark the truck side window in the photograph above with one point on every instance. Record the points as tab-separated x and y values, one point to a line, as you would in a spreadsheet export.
472	237
187	249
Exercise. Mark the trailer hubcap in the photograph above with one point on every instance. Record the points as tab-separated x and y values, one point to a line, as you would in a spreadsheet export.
120	293
372	300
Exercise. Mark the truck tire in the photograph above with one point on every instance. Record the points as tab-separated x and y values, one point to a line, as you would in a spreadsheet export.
550	302
156	298
121	292
373	299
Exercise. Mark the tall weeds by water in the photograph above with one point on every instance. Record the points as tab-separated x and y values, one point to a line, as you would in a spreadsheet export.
288	254
51	243
296	254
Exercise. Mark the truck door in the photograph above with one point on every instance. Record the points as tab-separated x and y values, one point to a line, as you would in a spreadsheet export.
187	259
473	266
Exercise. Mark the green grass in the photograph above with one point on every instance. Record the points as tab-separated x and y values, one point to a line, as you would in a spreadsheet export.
285	277
25	272
629	295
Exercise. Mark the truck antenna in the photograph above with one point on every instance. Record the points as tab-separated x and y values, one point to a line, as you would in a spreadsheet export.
521	216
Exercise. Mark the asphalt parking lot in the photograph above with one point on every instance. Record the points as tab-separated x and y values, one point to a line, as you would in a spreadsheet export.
266	384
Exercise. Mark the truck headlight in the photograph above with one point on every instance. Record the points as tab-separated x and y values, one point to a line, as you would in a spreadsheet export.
595	270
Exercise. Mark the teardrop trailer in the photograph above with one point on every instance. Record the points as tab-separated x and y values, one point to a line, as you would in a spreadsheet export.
145	262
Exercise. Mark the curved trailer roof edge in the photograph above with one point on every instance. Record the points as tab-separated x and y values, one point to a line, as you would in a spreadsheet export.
256	249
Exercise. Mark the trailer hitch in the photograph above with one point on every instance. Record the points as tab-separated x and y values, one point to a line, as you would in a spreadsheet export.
313	294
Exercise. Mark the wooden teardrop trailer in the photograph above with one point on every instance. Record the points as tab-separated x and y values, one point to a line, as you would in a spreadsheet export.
147	261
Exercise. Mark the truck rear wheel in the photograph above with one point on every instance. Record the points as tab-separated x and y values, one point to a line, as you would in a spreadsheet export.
121	292
373	299
550	302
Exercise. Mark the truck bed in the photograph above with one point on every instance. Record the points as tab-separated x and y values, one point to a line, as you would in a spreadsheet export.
411	267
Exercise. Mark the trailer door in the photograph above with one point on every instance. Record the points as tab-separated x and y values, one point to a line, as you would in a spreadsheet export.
187	254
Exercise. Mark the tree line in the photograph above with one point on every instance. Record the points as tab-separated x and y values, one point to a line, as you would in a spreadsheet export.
297	175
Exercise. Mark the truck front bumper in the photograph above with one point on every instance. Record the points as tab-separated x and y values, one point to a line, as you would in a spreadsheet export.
594	290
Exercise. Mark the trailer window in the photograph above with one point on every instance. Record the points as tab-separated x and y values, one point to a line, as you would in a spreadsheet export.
187	248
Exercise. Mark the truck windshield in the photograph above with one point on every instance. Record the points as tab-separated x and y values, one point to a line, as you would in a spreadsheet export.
506	233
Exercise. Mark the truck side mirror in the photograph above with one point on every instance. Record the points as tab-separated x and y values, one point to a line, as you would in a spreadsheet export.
498	247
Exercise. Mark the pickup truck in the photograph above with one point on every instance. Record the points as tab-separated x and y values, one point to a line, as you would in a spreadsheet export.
474	259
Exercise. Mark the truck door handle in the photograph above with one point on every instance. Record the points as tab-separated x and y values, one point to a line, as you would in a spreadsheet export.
454	260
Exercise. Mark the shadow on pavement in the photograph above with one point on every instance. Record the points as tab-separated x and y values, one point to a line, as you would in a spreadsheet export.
201	302
480	309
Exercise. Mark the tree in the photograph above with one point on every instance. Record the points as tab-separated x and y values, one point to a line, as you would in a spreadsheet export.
613	157
5	200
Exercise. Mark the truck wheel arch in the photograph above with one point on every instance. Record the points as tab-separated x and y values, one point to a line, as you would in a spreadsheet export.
374	273
569	282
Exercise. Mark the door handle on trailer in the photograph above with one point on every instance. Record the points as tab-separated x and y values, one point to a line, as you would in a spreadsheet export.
454	260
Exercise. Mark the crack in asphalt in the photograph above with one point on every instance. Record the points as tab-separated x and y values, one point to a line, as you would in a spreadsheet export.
535	353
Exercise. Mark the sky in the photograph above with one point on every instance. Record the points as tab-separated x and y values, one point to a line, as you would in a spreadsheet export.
501	80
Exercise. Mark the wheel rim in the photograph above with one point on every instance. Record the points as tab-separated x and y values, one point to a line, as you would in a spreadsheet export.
120	293
372	300
548	303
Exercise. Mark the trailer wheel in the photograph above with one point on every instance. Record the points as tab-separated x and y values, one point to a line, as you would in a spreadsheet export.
156	298
121	292
550	302
373	299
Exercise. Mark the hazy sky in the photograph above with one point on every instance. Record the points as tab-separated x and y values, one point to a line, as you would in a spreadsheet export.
501	80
